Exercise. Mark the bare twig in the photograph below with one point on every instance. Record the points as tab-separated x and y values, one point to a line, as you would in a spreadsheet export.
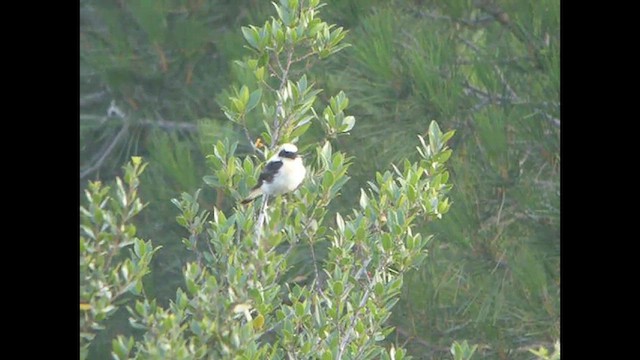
249	139
274	72
471	45
555	121
506	85
304	57
164	124
264	83
500	209
468	22
170	125
347	335
363	302
104	154
412	337
93	98
276	132
279	106
315	268
279	64
114	110
512	94
261	219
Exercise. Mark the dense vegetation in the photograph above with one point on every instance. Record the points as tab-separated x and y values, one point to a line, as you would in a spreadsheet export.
158	79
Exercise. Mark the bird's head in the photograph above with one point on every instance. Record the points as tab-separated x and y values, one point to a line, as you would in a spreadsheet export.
288	151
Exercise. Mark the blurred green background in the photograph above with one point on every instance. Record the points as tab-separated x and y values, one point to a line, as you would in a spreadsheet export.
154	74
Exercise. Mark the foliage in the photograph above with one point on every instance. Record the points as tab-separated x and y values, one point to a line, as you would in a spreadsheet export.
462	351
106	274
149	67
488	69
240	299
491	71
543	354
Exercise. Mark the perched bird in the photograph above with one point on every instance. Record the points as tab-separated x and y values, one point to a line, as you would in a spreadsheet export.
283	173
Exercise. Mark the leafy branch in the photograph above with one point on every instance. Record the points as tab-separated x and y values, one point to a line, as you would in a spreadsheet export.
242	298
106	229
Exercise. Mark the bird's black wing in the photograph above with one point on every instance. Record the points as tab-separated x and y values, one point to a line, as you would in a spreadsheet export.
269	171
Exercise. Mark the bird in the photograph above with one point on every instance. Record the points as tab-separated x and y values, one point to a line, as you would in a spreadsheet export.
283	173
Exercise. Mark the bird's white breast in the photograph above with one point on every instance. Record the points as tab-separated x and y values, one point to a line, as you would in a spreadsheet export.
287	179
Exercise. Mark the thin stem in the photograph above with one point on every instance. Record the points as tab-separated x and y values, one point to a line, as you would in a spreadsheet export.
104	154
283	82
315	268
304	57
261	219
274	73
93	98
164	124
347	336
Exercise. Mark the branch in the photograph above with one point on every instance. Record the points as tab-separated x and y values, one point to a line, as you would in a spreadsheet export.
504	82
170	125
248	136
315	268
261	218
92	98
106	152
304	57
347	337
363	302
164	124
411	337
467	22
554	121
283	83
274	73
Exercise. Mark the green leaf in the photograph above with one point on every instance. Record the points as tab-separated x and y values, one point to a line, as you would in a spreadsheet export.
238	105
88	231
300	130
326	151
444	156
254	98
448	135
244	95
327	355
302	84
395	285
435	140
387	242
327	180
378	289
251	35
347	123
259	73
210	180
121	348
338	288
140	248
340	222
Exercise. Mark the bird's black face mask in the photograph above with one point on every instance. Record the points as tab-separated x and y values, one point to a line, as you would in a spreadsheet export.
287	154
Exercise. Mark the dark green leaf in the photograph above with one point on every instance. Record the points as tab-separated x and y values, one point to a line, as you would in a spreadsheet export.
210	180
254	98
250	35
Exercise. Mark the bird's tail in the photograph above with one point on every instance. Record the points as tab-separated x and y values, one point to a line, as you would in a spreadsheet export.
252	195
